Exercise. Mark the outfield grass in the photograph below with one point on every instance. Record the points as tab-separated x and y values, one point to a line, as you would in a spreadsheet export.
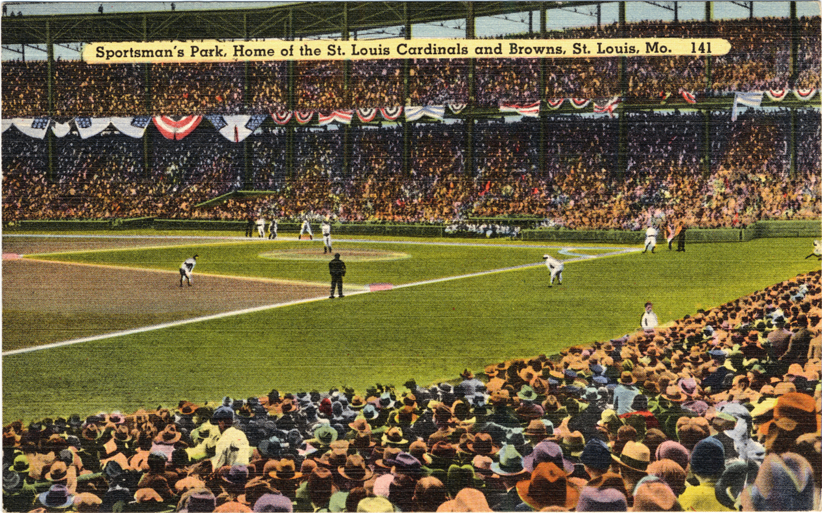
429	332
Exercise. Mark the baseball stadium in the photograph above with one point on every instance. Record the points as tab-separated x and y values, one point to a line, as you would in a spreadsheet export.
557	282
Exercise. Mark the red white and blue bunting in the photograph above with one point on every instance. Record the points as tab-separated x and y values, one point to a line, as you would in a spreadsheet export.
579	103
432	111
804	94
340	116
554	104
366	115
304	116
176	129
777	95
282	118
530	109
608	106
391	113
456	108
689	97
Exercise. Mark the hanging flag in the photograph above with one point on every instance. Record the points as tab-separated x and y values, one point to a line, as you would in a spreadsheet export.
366	115
753	99
89	127
340	116
176	129
133	127
804	94
554	104
432	111
579	103
608	106
777	95
456	108
530	109
304	116
391	113
281	118
689	97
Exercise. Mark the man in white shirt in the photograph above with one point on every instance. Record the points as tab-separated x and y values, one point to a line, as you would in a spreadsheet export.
186	268
649	320
261	227
326	229
306	227
555	267
650	238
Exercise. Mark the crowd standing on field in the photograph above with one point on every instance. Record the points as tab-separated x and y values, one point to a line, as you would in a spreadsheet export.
719	411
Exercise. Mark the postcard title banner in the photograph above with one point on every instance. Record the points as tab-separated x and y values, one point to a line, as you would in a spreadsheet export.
279	50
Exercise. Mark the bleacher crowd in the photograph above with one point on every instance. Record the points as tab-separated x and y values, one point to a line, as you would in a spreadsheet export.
749	178
759	60
719	411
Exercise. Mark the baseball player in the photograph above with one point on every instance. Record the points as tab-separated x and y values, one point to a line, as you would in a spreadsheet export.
306	227
817	250
649	320
555	266
671	233
186	268
326	229
650	238
272	229
261	227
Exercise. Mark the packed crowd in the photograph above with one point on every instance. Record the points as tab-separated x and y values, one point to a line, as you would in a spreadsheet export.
719	411
665	176
759	60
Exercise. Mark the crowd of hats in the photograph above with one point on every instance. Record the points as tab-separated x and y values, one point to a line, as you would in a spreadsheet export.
713	412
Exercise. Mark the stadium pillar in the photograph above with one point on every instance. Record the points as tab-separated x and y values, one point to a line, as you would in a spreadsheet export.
794	47
147	97
706	143
792	143
406	92
248	156
543	119
622	120
709	16
50	142
470	33
347	67
289	130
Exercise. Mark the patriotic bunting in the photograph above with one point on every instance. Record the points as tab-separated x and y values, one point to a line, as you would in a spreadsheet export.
281	118
366	115
89	127
341	116
35	127
456	108
432	111
216	121
62	129
804	94
689	97
579	103
133	127
608	107
304	116
176	129
777	95
391	113
555	104
530	110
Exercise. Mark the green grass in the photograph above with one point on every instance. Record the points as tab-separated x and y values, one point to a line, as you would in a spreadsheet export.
429	332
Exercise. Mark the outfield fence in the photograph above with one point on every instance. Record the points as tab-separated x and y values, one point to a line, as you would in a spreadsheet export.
759	230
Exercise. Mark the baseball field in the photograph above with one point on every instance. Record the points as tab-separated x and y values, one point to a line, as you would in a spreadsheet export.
99	323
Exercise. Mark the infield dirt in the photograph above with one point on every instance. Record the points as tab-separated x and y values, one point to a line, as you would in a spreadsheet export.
45	302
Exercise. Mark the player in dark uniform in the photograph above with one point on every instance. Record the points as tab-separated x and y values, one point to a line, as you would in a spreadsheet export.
337	269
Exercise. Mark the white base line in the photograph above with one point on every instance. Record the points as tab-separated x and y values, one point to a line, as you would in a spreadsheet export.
223	315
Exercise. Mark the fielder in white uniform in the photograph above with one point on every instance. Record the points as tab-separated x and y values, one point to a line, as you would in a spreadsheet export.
261	227
817	250
650	238
326	229
306	227
649	320
272	230
186	268
555	266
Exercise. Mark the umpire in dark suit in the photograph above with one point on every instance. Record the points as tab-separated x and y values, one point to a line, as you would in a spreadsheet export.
337	268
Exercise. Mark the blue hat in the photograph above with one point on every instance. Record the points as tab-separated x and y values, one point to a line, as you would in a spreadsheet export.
600	380
597	368
596	454
708	457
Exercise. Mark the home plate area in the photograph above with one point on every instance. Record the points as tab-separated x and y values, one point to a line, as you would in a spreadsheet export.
348	255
